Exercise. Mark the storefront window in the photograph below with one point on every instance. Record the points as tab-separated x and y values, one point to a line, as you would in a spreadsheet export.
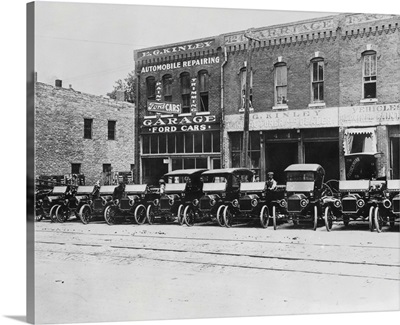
207	142
362	140
254	150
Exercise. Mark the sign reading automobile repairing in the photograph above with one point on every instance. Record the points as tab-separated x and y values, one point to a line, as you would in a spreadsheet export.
180	64
164	107
180	124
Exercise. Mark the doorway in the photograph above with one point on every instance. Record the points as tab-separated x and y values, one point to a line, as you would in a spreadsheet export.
325	154
278	156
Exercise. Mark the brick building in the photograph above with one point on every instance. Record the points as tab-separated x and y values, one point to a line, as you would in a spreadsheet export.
320	90
77	133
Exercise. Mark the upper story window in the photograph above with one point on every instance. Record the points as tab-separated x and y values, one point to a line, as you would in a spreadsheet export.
111	130
203	90
151	88
243	76
167	87
369	74
87	128
185	92
281	84
317	80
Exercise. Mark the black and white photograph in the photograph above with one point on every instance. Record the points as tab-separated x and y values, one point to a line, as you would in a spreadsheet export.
193	163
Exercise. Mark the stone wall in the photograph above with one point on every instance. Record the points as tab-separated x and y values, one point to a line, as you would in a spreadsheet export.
59	130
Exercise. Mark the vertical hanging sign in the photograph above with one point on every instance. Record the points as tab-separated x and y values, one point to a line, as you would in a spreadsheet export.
158	91
193	95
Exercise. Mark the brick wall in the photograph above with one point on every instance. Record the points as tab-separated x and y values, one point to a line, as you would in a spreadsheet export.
59	124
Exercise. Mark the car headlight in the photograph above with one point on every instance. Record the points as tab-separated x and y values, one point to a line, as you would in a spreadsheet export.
254	202
212	202
131	202
337	204
303	203
386	203
156	202
282	203
235	203
360	203
171	202
195	202
116	201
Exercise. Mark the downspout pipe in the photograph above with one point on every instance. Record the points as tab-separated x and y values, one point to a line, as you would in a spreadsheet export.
223	109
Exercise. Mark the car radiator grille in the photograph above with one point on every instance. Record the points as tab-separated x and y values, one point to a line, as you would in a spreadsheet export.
97	204
124	204
164	204
294	205
205	204
396	205
245	204
349	205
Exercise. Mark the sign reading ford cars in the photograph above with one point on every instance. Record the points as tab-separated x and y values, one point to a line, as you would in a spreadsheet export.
180	124
164	107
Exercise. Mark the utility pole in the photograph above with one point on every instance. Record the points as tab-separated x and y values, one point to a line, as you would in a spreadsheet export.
245	148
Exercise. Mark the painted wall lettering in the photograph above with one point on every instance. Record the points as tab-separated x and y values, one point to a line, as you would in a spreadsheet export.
176	49
181	64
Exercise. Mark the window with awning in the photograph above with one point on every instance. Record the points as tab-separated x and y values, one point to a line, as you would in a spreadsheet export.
360	140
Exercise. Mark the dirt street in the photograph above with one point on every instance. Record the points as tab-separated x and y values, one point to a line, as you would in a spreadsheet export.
128	272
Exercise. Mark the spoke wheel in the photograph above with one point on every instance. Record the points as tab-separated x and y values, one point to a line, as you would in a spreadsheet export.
220	215
328	218
180	217
315	225
378	220
371	218
61	214
264	217
140	214
188	216
84	214
109	215
150	214
52	213
228	217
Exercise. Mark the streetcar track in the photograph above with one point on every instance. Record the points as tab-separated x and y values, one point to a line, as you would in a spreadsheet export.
227	265
233	254
226	239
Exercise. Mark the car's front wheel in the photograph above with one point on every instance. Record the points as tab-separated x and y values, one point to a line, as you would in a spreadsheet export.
328	218
84	214
189	216
228	217
220	215
264	217
110	215
140	214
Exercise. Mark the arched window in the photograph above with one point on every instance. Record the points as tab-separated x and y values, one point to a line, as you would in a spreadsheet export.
280	84
369	74
167	87
151	88
185	92
317	80
203	90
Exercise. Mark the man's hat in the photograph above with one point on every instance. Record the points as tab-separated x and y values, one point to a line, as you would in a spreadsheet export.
270	173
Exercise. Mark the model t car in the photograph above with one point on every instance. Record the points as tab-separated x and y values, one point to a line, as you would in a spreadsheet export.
255	203
100	198
388	208
182	189
358	195
131	206
304	189
42	203
220	188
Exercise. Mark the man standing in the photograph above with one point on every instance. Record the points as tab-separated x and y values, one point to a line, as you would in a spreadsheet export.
271	183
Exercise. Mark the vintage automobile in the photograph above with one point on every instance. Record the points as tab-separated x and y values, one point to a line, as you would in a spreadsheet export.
95	207
220	188
388	208
130	207
183	189
255	203
70	204
42	204
304	189
54	200
358	195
